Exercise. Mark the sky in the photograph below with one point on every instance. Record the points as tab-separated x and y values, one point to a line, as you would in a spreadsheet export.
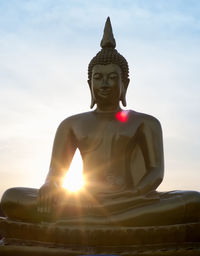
45	48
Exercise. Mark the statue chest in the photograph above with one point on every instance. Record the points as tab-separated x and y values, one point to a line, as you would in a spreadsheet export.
107	138
104	146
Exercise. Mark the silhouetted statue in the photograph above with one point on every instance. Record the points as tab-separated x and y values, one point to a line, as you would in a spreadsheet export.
122	154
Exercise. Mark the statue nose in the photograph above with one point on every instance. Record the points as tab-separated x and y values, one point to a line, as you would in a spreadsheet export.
105	84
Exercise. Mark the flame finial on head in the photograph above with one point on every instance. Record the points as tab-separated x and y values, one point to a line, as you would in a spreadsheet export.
108	40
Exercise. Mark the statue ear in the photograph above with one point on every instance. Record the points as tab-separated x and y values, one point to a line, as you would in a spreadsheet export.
123	94
93	100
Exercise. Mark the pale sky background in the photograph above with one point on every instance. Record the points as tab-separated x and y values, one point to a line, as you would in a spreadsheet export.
45	47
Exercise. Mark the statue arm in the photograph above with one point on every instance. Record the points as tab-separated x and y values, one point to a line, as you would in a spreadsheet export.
63	150
151	144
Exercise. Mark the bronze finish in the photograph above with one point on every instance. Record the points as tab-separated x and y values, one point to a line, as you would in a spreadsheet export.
122	152
123	164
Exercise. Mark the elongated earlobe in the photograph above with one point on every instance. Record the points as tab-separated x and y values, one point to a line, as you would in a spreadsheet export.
123	100
93	100
123	97
123	94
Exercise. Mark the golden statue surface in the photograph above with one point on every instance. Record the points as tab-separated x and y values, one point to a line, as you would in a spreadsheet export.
123	163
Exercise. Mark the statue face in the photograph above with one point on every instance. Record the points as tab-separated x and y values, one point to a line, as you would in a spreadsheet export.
106	84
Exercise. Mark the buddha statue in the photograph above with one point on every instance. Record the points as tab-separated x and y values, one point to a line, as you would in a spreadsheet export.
122	153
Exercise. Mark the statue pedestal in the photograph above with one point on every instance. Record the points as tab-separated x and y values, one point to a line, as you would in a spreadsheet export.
54	239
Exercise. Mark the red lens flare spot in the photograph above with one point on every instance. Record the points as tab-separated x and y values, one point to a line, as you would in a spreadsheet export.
122	116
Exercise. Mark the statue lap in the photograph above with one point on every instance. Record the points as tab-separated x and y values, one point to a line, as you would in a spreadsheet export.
156	208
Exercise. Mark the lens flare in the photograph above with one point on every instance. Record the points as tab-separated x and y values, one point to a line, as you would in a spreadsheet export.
74	180
122	116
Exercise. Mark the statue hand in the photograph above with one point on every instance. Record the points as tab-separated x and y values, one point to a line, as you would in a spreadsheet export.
46	198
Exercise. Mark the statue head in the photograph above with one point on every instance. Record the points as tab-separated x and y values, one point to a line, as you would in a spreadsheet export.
109	55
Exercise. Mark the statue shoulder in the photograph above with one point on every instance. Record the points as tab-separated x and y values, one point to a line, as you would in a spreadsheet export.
146	119
75	120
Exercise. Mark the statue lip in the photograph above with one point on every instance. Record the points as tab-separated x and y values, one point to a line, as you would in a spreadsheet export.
104	92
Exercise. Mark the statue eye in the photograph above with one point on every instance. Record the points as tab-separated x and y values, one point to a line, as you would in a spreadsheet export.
113	76
97	76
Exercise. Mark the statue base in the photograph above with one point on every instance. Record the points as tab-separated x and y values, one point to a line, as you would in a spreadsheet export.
20	238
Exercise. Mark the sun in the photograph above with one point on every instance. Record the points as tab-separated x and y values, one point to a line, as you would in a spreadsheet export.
74	180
